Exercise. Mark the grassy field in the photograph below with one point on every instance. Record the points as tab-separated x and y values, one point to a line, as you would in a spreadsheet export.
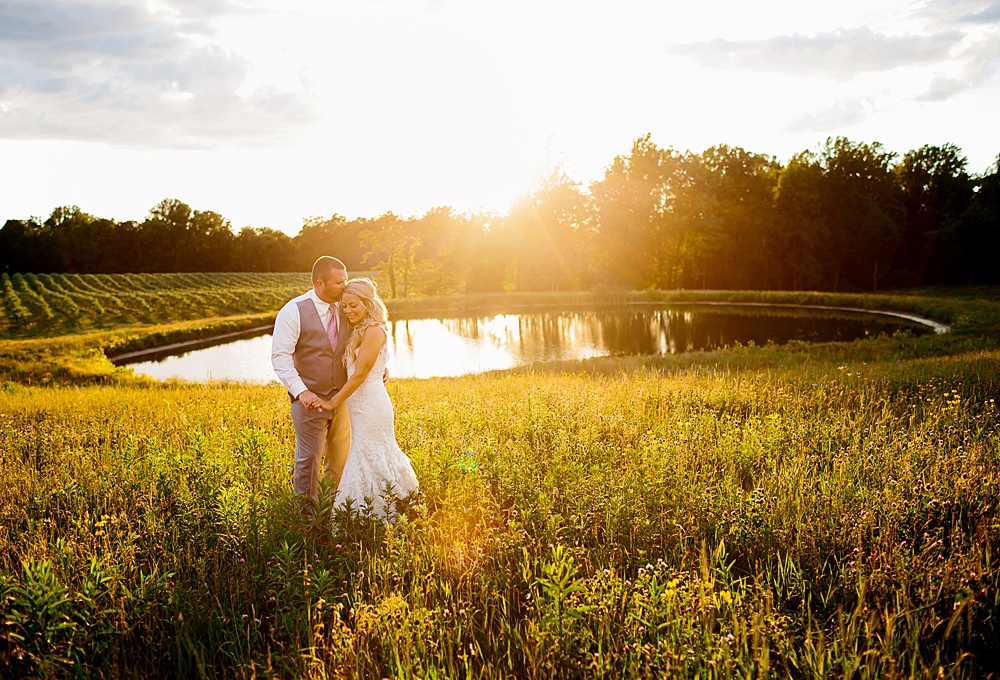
813	511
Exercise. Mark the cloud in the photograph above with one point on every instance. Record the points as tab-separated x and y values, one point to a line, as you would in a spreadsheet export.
988	15
976	12
841	54
116	72
838	115
943	88
978	64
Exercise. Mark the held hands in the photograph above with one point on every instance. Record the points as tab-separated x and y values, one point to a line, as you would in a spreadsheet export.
313	402
324	405
310	400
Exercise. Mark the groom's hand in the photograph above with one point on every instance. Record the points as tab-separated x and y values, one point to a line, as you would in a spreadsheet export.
309	400
385	377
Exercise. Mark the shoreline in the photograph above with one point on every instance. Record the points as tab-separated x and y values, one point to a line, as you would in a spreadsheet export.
938	327
135	356
121	359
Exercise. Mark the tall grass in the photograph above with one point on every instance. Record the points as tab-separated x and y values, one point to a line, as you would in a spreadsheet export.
824	513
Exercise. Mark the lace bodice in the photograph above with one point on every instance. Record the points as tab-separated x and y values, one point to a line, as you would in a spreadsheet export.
378	369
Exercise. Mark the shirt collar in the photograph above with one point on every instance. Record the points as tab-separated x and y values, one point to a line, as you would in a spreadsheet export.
324	305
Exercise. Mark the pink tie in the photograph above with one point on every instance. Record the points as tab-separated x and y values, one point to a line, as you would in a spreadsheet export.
331	328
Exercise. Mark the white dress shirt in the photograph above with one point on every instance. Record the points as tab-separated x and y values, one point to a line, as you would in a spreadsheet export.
287	326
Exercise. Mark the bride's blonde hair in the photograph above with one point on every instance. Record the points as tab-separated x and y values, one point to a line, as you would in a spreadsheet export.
376	313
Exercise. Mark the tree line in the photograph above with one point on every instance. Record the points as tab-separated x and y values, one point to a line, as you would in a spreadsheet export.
848	216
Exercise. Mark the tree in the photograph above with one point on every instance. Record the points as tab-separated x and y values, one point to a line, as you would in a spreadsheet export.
936	192
552	230
176	238
736	215
163	246
490	247
24	247
262	249
211	241
964	250
801	228
863	209
391	244
336	236
632	203
67	230
443	255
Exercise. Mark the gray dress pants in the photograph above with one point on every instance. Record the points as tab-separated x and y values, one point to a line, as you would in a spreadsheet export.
322	442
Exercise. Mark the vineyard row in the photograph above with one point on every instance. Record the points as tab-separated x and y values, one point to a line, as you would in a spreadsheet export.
44	304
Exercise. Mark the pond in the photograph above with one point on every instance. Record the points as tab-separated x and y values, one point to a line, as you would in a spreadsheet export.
477	342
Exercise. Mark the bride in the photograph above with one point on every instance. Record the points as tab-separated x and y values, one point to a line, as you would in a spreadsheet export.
375	458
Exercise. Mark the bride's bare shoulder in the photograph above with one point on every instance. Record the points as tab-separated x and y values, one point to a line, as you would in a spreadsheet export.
374	334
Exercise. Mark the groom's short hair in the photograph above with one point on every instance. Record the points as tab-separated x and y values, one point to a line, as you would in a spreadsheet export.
324	266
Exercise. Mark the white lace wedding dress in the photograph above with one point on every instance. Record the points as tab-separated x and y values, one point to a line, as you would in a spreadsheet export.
375	458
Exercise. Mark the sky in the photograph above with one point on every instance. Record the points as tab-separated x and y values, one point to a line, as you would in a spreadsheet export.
271	112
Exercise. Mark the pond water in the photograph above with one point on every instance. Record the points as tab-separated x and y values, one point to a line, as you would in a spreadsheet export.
473	343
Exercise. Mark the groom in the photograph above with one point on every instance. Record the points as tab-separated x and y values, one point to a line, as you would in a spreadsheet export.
307	353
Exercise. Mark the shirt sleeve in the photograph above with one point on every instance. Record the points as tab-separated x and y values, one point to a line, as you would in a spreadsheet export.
283	341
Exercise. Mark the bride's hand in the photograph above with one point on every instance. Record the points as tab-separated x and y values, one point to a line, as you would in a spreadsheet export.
322	405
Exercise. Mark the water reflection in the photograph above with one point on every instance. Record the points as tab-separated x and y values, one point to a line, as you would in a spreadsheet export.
425	348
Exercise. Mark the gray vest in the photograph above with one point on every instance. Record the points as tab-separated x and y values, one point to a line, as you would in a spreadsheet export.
320	366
